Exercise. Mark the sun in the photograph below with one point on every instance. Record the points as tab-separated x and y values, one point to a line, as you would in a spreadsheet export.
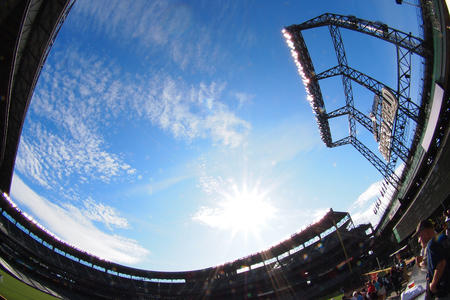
239	208
246	210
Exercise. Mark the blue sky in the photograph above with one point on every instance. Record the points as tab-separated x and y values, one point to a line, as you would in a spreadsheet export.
176	135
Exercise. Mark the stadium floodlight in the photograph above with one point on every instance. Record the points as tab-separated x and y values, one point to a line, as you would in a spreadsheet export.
13	205
305	69
393	110
298	63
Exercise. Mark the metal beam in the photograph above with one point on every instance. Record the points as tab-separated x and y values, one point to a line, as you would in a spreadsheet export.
342	60
403	89
376	162
397	146
375	29
338	112
373	85
345	141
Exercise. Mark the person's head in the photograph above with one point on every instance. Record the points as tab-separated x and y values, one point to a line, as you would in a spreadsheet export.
425	232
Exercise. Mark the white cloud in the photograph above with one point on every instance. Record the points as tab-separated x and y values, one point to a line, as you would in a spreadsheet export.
365	216
62	130
226	128
210	184
49	158
28	162
152	28
187	112
244	98
372	191
362	210
213	217
64	135
104	214
200	114
73	226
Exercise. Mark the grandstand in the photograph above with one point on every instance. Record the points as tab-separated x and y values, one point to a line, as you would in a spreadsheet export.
320	259
315	261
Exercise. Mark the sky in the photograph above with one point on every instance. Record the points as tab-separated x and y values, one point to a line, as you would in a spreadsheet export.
176	135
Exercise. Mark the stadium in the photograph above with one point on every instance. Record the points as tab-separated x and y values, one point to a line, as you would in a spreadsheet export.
312	263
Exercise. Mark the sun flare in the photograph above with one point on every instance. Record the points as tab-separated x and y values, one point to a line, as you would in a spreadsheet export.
245	210
242	209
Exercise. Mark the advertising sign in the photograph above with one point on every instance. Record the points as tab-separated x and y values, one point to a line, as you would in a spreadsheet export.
389	107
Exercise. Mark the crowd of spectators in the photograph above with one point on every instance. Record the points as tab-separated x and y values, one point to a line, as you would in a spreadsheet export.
380	287
433	260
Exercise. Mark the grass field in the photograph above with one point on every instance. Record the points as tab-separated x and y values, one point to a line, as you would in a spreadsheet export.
333	296
339	297
13	289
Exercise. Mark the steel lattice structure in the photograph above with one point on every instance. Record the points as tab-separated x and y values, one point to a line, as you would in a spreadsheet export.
408	111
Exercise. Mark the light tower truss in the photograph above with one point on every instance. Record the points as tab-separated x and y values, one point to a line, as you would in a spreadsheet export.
389	119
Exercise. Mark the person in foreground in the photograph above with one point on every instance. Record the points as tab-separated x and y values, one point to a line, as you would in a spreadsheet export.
438	266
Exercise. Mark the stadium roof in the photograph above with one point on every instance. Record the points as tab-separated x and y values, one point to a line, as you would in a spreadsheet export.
27	31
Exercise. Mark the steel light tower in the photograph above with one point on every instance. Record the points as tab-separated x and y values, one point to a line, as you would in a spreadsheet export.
393	110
